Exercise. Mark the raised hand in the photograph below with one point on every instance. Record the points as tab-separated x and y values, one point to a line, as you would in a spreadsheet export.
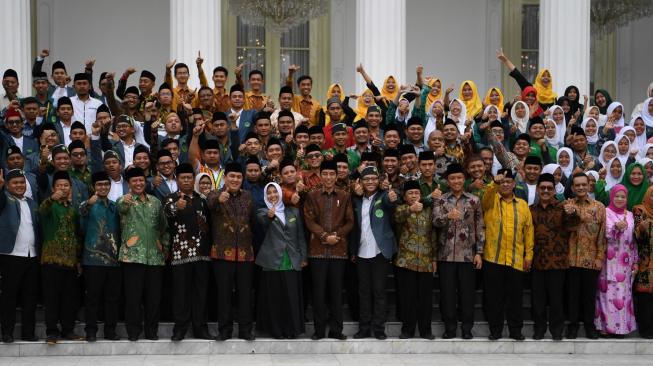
199	60
44	53
181	203
89	63
171	63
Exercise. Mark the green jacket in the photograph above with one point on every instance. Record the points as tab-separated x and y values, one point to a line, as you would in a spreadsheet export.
144	235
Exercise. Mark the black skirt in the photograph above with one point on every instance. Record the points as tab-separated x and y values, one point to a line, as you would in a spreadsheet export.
280	310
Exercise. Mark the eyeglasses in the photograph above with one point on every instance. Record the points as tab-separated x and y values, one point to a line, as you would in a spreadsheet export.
14	122
370	179
78	154
313	156
546	188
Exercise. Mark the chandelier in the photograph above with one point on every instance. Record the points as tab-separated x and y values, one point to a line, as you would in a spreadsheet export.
278	15
608	15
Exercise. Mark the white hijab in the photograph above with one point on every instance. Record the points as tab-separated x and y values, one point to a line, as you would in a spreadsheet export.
462	117
645	161
623	158
279	206
611	181
644	151
640	140
552	141
647	117
605	146
593	139
566	170
611	108
198	178
521	123
431	121
550	169
561	128
398	116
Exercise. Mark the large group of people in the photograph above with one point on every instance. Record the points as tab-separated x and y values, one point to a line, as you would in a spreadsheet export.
141	195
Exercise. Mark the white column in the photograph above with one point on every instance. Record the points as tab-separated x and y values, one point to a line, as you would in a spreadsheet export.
565	43
16	41
381	40
195	25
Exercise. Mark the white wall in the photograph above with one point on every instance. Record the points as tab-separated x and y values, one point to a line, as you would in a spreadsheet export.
454	40
117	33
634	55
343	44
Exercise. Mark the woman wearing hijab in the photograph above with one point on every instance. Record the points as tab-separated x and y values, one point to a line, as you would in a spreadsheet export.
615	115
646	113
519	116
647	163
637	183
615	314
641	132
458	113
624	150
390	88
591	128
551	133
432	91
494	96
573	95
203	184
282	256
556	171
614	173
608	152
602	99
565	158
490	114
336	91
434	119
542	87
469	96
642	106
558	115
644	279
593	176
365	100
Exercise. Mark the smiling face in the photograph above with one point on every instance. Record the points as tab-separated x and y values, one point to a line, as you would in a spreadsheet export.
455	108
564	159
468	93
623	145
520	110
636	176
272	194
620	199
616	169
546	191
590	128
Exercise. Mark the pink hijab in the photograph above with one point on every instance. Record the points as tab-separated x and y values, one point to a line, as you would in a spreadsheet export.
613	192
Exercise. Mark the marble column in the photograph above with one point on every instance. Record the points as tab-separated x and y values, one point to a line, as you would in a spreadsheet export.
195	25
16	41
381	40
565	43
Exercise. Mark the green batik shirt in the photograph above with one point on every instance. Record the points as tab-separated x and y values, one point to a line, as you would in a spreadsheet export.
144	235
61	244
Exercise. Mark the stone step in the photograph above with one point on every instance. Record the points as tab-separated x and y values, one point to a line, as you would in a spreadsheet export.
306	346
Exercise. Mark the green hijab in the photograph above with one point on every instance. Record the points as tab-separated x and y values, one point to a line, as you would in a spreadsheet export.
635	193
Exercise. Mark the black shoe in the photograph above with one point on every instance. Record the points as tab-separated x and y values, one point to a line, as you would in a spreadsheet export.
429	336
51	339
91	338
29	338
317	336
380	336
223	336
177	337
111	337
292	336
132	338
647	336
556	337
7	338
363	334
468	335
591	334
448	335
152	337
494	336
338	336
203	334
571	334
538	336
517	337
405	336
249	336
73	337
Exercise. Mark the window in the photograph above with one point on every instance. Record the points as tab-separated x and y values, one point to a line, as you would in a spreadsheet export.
250	47
295	50
530	42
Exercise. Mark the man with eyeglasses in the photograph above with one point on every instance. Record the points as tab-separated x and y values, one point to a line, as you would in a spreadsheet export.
12	134
79	162
507	254
551	219
60	161
164	182
311	178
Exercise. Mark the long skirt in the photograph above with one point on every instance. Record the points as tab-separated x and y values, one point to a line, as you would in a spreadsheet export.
280	310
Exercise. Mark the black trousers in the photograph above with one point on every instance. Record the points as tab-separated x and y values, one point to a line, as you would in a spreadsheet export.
644	313
415	298
20	285
228	275
189	286
548	287
581	296
327	278
372	276
457	294
142	290
503	293
60	296
102	282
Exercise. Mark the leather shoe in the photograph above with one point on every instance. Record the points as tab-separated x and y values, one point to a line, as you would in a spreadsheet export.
249	336
338	336
203	334
7	338
317	336
51	339
468	335
177	337
111	337
223	336
429	336
572	333
362	334
405	336
517	337
448	335
29	338
538	336
556	337
91	338
152	337
380	336
494	336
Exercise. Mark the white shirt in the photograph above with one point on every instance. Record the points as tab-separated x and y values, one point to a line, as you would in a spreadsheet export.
531	193
58	93
171	183
116	190
28	189
19	142
25	239
368	247
66	133
128	150
239	113
85	111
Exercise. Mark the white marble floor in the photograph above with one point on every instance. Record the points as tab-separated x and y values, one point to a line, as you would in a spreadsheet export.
333	359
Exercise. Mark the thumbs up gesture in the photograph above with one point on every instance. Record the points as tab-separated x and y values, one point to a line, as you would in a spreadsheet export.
182	203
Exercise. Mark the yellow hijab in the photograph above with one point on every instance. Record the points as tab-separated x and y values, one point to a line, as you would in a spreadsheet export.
390	96
474	105
486	100
327	118
430	98
545	95
361	109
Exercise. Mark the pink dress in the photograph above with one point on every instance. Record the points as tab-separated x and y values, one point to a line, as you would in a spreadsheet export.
614	312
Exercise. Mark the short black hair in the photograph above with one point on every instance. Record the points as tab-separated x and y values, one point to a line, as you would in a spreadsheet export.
285	90
221	69
205	88
579	175
255	72
181	65
304	77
